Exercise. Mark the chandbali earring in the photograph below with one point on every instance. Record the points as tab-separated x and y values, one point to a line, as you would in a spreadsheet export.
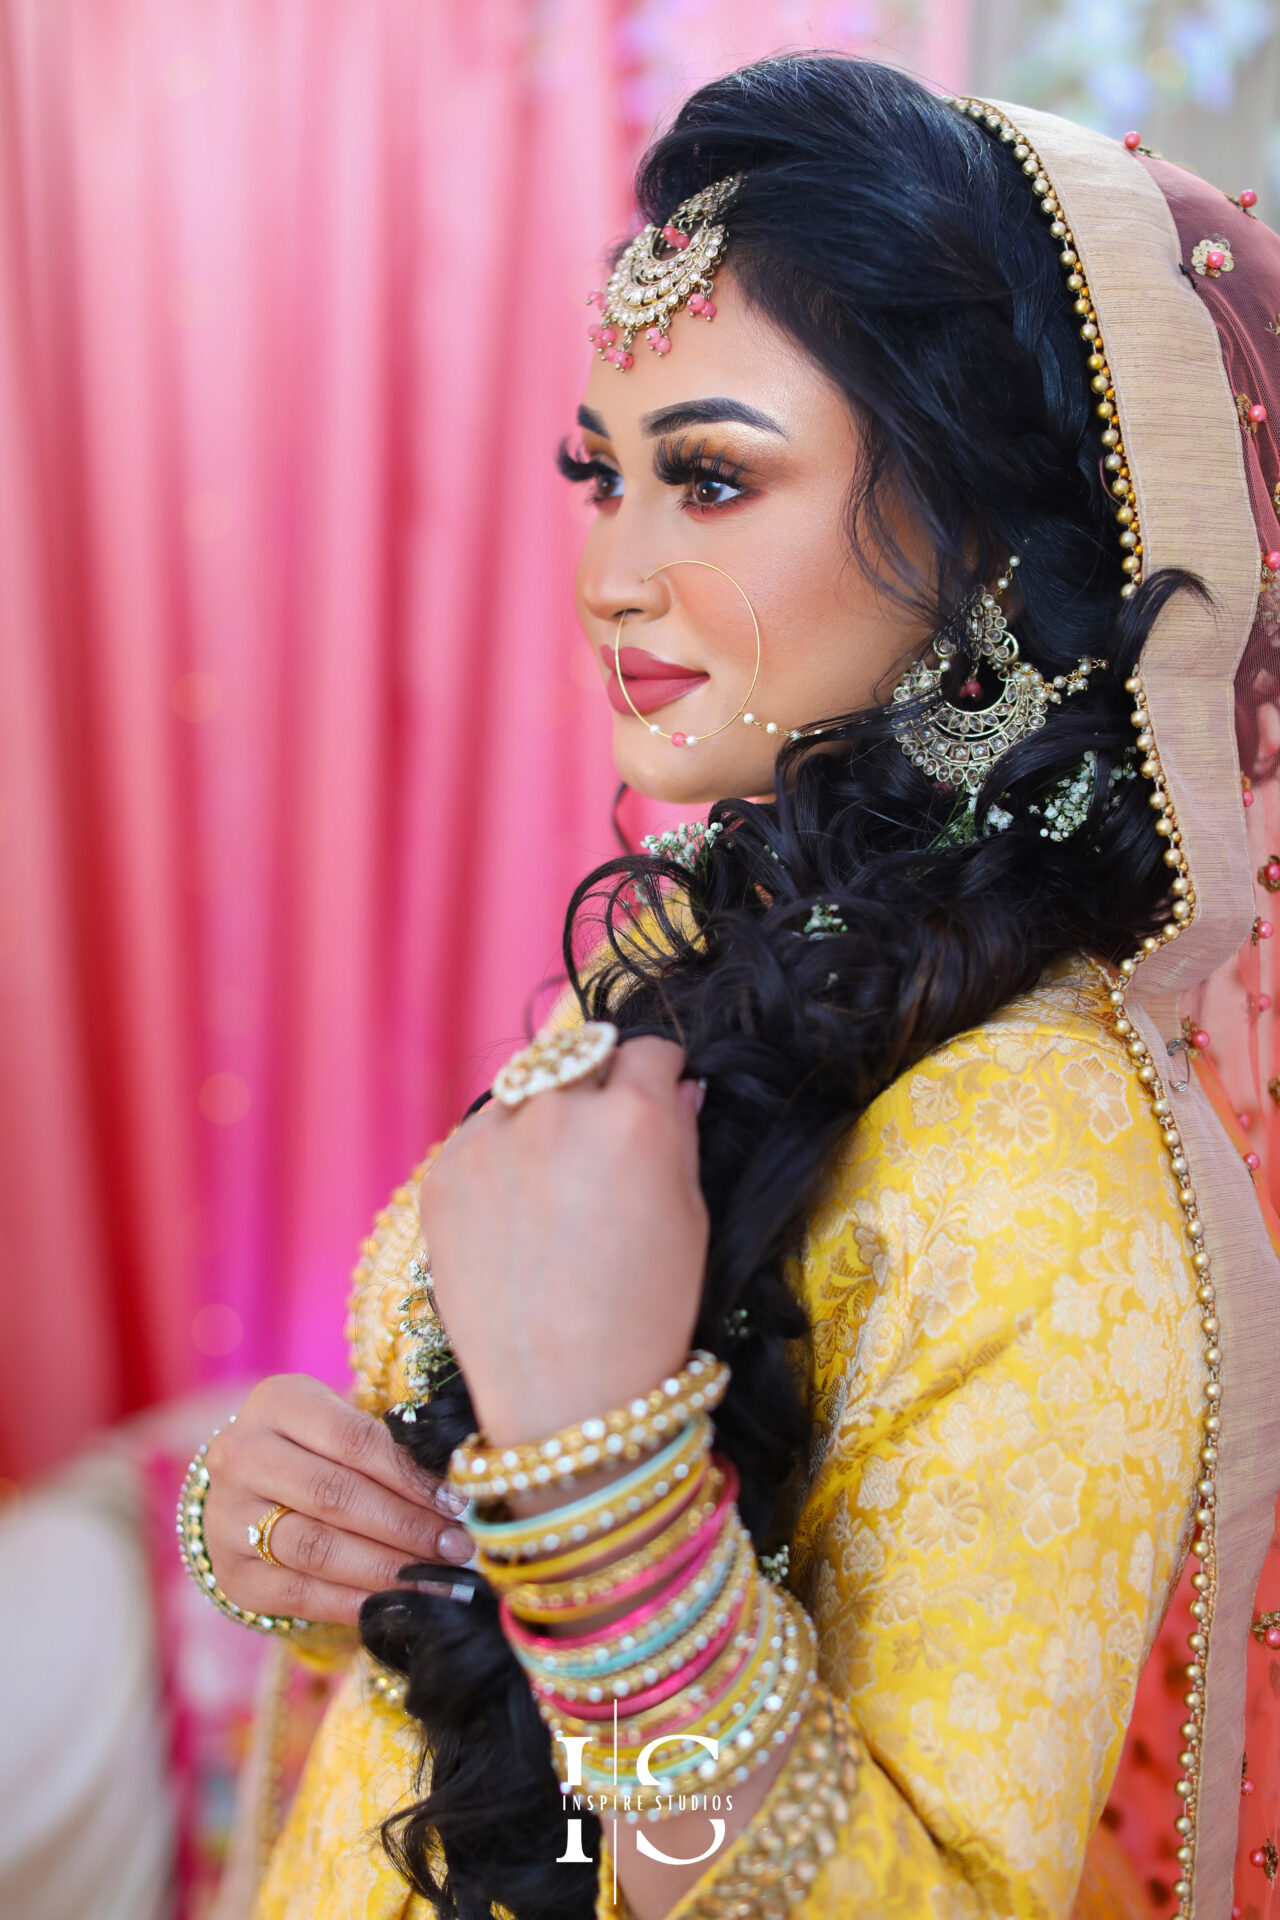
958	746
740	712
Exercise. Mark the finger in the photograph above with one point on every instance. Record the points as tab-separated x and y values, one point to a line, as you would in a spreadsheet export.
648	1063
320	1552
321	1422
293	1596
338	1496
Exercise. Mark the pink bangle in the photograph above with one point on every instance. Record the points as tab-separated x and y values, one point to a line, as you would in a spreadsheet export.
691	1553
695	1710
652	1696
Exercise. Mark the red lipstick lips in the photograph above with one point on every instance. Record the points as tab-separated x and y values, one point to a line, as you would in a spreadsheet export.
651	682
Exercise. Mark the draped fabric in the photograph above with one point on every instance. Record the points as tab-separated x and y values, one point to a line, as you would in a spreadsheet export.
301	753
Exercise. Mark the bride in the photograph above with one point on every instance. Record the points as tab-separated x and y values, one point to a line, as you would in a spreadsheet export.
773	1462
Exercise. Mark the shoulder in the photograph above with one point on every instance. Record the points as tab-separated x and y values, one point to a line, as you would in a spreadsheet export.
1015	1180
1042	1087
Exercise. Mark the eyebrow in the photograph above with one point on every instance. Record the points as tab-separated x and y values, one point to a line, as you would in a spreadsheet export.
705	413
689	413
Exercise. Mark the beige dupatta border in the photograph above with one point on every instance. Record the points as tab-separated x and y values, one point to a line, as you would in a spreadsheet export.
1181	433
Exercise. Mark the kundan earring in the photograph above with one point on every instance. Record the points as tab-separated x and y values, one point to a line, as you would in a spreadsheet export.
739	712
959	745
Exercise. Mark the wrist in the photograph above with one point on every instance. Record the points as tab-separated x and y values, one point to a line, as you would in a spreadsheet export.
523	1412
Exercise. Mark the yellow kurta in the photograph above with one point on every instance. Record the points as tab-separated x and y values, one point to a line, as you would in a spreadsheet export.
1006	1381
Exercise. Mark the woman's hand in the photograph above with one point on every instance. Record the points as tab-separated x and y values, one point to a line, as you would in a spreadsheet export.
361	1510
568	1242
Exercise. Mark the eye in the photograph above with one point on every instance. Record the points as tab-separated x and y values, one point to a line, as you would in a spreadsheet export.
580	468
710	490
708	480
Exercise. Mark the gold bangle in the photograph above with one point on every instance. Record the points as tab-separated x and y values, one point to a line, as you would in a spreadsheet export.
502	1572
582	1521
770	1620
195	1555
744	1745
574	1598
580	1683
624	1433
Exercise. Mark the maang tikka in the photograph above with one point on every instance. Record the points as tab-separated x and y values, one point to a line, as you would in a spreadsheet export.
663	269
958	746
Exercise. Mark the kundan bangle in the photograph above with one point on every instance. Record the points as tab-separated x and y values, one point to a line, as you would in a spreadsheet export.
628	1501
195	1555
626	1433
756	1713
585	1556
695	1574
669	1641
577	1597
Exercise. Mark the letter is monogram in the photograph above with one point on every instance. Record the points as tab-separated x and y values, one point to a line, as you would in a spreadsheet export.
573	1855
643	1773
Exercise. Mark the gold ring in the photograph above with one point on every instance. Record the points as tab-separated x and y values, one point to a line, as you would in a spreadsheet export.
260	1536
559	1057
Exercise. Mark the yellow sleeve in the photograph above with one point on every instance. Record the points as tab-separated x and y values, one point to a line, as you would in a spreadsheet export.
1006	1380
329	1859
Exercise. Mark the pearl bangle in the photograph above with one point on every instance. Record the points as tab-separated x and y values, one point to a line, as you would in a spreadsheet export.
195	1554
625	1433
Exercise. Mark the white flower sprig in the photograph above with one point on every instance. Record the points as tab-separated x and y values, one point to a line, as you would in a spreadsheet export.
684	845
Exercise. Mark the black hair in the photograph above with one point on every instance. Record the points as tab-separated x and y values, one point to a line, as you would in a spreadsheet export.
897	242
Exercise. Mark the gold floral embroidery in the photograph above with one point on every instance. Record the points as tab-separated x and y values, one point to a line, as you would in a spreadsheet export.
1005	1378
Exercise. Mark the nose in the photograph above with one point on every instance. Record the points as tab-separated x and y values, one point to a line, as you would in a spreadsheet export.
611	584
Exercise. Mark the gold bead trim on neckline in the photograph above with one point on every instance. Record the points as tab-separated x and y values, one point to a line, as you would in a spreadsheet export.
1114	461
1203	1545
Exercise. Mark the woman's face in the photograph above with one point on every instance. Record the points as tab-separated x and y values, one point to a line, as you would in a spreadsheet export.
734	449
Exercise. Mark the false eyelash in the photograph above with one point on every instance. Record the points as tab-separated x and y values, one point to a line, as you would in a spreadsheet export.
575	468
678	465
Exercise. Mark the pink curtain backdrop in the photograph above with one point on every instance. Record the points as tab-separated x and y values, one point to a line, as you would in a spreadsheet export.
300	754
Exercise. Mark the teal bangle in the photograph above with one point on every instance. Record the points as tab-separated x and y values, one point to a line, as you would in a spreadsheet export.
604	1508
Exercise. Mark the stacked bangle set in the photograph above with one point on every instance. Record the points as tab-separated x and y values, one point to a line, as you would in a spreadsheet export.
710	1646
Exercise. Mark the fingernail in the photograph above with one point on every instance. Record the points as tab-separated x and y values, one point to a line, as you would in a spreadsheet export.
455	1543
451	1500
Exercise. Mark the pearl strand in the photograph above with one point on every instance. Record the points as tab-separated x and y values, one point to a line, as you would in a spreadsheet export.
1203	1547
1115	463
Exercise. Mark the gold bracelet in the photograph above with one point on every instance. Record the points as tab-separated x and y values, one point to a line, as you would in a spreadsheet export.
195	1555
787	1673
567	1531
625	1433
575	1598
605	1533
716	1569
575	1677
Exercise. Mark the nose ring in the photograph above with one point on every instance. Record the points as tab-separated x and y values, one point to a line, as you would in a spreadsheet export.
692	739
